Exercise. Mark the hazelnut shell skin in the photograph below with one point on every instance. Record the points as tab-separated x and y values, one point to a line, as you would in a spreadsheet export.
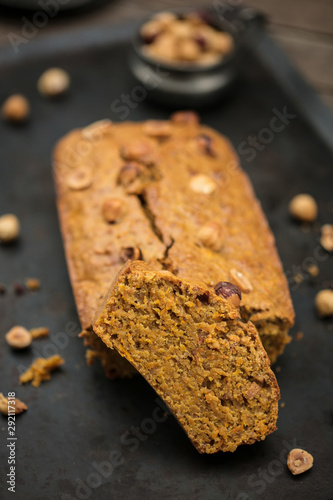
229	291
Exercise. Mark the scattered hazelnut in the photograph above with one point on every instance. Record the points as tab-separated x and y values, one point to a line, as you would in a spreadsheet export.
130	253
53	82
113	209
80	179
313	270
241	280
201	183
19	406
326	239
299	461
18	337
19	289
16	108
40	332
185	117
9	228
304	208
32	284
324	303
229	291
210	236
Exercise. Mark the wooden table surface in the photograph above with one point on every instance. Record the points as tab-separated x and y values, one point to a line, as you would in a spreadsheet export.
303	28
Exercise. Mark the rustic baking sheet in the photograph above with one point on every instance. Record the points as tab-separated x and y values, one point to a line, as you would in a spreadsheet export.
88	437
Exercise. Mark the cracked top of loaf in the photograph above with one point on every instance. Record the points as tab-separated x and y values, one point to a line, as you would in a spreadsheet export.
172	194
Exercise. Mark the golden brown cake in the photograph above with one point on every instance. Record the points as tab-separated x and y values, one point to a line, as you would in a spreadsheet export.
172	194
190	344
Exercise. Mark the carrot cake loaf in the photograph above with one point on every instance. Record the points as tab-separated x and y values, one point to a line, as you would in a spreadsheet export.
172	194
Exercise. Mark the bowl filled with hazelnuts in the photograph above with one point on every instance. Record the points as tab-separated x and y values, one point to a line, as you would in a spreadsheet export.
191	58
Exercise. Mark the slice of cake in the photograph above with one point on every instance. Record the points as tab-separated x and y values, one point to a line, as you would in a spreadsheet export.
190	344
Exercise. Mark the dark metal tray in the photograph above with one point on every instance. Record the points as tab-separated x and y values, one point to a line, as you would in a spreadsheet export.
88	437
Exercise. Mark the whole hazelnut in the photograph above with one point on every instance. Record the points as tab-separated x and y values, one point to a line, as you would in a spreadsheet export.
326	239
210	236
9	228
113	209
185	118
80	179
16	108
205	144
241	280
203	184
53	82
130	253
299	461
324	303
303	207
18	337
157	128
129	173
229	291
138	150
150	30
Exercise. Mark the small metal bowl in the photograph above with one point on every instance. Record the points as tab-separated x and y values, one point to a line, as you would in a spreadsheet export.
191	85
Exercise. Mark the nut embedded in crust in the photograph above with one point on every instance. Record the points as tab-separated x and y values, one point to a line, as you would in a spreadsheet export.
130	253
229	291
241	280
139	150
299	461
210	236
203	184
113	209
157	128
205	144
80	179
185	118
129	173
